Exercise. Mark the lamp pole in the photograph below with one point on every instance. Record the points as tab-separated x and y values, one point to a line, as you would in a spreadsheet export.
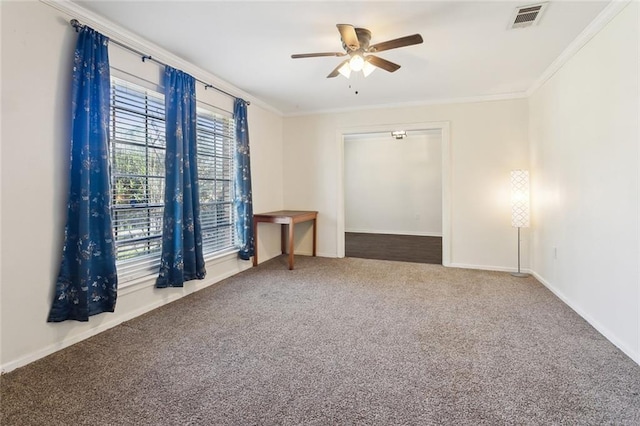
519	274
520	209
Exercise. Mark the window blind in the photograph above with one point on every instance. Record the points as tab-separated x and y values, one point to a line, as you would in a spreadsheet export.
137	131
216	174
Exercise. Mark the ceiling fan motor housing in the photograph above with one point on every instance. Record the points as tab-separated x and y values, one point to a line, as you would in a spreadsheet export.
364	37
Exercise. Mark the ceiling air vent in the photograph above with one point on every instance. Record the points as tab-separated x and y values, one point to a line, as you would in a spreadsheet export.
525	16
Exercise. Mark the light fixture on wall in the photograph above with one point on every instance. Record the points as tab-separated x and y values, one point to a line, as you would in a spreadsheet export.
520	208
399	134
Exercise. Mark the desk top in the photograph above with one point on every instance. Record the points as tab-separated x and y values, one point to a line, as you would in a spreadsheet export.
287	213
286	216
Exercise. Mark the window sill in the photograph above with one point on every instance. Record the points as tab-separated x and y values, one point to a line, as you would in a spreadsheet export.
148	281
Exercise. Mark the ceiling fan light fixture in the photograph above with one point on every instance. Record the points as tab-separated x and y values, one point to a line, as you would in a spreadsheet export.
356	44
356	63
345	70
367	69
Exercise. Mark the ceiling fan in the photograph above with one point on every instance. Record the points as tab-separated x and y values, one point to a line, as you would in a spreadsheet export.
355	42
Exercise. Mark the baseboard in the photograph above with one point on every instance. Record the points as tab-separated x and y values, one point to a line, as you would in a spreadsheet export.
604	331
48	350
302	253
375	231
55	347
635	356
487	268
329	255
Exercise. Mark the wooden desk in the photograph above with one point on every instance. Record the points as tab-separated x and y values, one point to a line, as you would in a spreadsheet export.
284	217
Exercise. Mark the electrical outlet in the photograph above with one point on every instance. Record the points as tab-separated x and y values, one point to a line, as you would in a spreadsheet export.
555	253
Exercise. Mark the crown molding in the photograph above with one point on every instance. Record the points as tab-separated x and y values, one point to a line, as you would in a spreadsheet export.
607	14
116	32
442	101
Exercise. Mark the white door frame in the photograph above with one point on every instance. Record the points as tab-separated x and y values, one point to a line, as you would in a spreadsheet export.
443	126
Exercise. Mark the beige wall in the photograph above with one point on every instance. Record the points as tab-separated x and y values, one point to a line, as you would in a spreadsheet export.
584	168
393	186
37	49
487	140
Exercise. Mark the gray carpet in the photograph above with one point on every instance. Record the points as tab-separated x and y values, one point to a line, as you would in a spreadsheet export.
339	341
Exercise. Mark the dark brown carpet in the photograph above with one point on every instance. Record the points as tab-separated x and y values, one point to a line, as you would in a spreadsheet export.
401	248
339	341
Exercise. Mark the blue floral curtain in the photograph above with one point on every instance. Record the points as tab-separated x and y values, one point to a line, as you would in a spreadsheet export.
87	281
243	199
182	259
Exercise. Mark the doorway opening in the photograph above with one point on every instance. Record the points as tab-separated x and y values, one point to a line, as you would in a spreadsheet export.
395	203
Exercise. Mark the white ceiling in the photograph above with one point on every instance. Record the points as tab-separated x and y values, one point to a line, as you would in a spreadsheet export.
468	50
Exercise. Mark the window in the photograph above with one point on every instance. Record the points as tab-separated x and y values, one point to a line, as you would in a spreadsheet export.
216	170
137	139
137	149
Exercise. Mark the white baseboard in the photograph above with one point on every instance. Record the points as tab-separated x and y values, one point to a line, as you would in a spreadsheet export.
329	255
634	355
110	323
606	333
488	268
48	350
376	231
301	253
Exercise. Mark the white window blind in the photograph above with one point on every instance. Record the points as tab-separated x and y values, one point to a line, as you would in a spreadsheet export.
137	142
137	149
216	174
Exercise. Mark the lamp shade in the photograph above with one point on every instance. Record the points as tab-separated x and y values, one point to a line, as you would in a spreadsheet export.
367	69
345	70
356	63
520	209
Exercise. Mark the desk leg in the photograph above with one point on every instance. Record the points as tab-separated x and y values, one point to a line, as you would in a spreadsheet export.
255	242
283	238
315	232
291	226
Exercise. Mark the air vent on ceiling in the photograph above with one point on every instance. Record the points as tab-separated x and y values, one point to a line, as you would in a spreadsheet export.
526	16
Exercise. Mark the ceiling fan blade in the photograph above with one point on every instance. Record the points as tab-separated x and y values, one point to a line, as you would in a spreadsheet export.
382	63
315	55
349	36
336	71
396	43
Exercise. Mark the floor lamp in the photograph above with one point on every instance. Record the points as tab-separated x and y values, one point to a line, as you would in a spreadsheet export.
520	209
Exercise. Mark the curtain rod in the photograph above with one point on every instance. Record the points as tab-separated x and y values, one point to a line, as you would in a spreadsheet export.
77	25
